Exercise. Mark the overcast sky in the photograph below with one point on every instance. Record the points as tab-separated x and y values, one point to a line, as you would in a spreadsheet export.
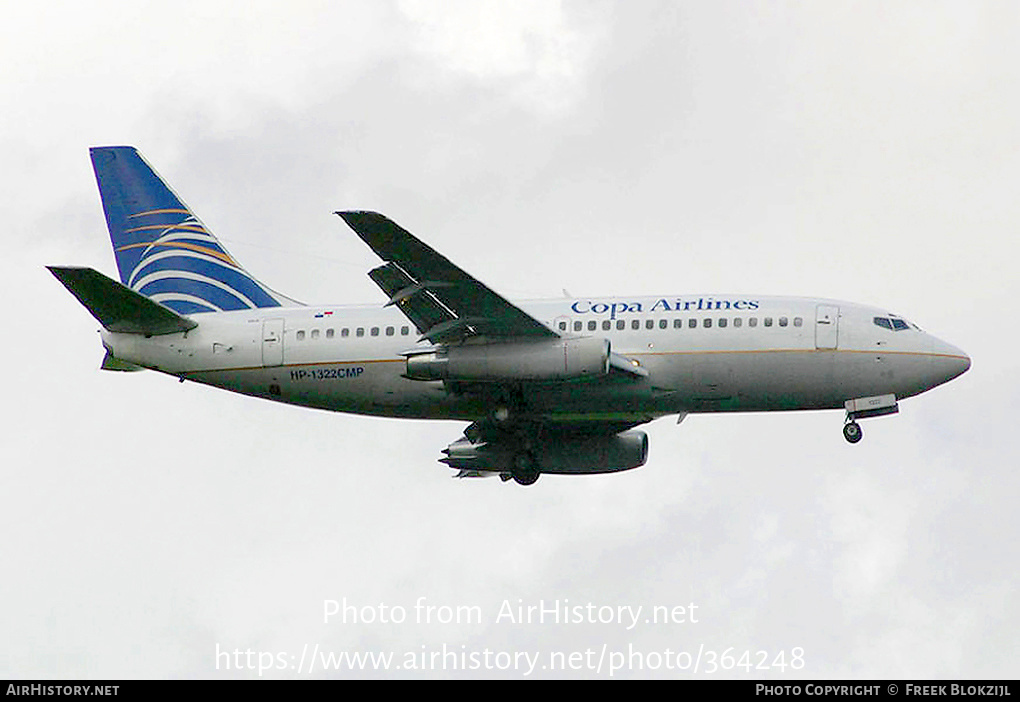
859	151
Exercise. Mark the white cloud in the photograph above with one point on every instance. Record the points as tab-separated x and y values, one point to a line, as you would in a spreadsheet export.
532	44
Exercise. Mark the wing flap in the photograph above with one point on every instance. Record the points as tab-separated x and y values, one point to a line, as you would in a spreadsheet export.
411	298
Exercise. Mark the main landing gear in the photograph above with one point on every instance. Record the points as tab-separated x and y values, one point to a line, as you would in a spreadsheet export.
852	431
525	469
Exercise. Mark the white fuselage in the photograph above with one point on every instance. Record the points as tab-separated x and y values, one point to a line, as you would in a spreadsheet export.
701	353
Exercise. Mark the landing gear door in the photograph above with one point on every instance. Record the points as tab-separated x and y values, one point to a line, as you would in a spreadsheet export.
826	327
272	342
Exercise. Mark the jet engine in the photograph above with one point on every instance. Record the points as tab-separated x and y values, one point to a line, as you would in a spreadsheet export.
560	359
570	454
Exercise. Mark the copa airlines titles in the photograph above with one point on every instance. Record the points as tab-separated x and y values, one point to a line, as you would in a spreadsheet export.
702	304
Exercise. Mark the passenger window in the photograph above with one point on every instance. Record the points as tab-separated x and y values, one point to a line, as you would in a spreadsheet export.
678	324
404	331
607	325
329	333
592	325
692	323
375	331
650	324
345	332
563	326
315	333
663	323
798	321
783	321
620	324
707	323
752	321
738	321
636	324
390	331
768	321
361	331
578	326
723	322
301	335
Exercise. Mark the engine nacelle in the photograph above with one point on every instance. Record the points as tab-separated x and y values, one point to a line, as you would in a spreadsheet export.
571	454
560	359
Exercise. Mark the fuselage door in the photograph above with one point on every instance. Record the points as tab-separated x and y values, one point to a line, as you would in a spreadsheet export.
826	327
272	342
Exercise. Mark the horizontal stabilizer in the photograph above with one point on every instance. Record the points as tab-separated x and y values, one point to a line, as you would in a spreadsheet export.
117	307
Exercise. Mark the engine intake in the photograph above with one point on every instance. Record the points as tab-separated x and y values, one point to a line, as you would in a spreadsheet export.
561	359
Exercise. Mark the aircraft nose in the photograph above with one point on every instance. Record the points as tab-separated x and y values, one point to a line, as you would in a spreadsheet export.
949	360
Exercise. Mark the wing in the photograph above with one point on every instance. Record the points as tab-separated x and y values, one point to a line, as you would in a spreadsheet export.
444	302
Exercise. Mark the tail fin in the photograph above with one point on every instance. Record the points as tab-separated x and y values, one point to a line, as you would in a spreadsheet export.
163	251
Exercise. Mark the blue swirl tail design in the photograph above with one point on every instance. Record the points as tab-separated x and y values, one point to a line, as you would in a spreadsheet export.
163	250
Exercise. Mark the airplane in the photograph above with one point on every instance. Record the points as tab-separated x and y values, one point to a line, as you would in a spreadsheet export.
550	386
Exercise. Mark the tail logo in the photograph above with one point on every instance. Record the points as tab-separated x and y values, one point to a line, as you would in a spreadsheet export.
181	265
163	250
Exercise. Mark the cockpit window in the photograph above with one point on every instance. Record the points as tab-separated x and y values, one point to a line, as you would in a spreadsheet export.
892	323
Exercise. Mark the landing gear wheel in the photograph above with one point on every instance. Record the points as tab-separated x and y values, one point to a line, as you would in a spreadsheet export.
526	478
525	471
852	432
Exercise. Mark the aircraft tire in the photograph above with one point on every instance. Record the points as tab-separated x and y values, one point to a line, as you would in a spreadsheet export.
852	432
525	470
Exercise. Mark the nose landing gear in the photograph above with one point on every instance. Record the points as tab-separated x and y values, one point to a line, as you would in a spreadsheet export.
864	407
